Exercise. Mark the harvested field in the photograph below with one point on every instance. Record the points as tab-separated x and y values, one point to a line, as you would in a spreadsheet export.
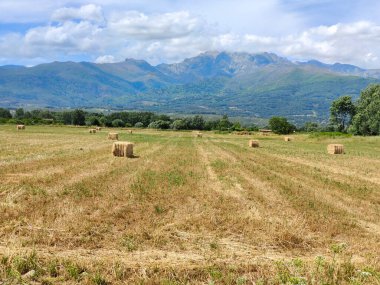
187	211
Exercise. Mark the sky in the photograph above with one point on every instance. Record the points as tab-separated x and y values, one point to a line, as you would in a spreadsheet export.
39	31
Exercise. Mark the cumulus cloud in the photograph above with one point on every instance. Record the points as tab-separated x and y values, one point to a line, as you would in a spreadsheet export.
88	33
105	59
154	27
356	43
88	12
82	36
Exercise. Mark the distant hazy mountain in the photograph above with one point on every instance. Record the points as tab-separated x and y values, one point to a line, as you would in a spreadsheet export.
237	84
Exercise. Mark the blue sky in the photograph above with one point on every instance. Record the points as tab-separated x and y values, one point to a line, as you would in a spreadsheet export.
33	32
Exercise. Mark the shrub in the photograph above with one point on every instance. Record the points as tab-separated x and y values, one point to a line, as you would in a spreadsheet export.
118	123
160	124
139	125
280	125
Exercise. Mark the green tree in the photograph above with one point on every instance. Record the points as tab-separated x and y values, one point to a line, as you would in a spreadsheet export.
160	124
78	117
280	125
341	112
139	125
178	125
4	113
19	113
237	127
67	118
253	128
224	124
93	121
367	118
310	127
197	123
118	123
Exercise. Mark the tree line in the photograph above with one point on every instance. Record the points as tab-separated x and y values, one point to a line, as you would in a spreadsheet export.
360	118
120	119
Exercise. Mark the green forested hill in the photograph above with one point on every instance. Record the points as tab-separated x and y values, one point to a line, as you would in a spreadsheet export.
237	84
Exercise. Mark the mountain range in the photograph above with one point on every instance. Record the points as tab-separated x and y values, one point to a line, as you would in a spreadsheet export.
236	84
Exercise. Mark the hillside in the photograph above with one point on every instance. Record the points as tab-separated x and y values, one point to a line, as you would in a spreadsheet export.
237	84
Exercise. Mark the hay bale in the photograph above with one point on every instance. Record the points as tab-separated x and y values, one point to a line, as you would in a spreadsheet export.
113	136
335	149
199	135
130	132
243	133
122	149
287	139
20	127
253	143
92	131
98	128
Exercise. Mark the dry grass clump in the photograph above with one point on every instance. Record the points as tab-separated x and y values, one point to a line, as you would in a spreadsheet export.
265	132
122	149
253	143
243	133
335	149
113	136
92	131
20	127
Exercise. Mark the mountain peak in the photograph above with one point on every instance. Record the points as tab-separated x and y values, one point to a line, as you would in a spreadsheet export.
221	63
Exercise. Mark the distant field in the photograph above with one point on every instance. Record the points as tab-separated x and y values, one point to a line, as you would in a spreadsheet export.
187	210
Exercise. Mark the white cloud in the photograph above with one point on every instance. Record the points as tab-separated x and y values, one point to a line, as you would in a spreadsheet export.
88	12
88	33
154	27
82	36
105	59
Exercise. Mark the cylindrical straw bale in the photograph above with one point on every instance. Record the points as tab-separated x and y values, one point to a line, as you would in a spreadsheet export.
113	136
253	143
335	149
122	149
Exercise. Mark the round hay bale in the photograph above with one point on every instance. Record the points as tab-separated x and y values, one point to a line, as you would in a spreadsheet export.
130	132
199	135
98	128
20	127
253	143
113	136
335	149
122	149
287	139
92	131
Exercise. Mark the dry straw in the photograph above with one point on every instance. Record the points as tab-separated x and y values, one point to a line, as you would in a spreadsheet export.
335	149
199	135
20	127
253	143
122	149
113	136
287	139
92	131
98	128
244	133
